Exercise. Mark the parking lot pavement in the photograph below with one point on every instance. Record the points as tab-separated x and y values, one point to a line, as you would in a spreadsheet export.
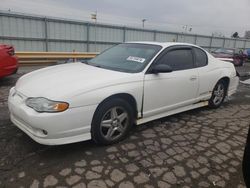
199	148
244	70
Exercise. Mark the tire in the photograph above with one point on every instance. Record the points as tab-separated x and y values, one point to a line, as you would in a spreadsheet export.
112	121
218	95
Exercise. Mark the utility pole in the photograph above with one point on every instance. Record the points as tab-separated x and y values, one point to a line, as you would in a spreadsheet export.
94	17
143	21
186	28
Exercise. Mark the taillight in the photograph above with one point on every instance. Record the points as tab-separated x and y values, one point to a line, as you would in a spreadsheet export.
11	51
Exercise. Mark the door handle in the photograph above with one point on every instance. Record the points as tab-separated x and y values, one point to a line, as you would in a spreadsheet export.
192	78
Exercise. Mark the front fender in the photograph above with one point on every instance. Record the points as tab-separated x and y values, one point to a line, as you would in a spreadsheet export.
96	96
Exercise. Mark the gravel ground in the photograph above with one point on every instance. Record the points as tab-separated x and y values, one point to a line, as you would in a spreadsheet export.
198	148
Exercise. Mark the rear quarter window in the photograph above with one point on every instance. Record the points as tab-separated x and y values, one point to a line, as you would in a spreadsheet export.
200	57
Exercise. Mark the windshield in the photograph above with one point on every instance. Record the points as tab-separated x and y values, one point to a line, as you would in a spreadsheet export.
126	57
224	51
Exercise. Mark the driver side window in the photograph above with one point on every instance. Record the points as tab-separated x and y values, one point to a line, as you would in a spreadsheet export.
178	59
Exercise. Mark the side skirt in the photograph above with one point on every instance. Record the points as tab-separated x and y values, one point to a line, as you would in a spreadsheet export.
175	111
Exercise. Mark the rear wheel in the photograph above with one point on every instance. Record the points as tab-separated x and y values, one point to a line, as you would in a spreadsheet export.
218	95
112	121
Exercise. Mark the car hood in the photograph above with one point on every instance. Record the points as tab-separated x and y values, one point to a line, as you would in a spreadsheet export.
68	80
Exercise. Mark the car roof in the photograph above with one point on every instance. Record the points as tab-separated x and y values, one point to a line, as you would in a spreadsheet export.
164	44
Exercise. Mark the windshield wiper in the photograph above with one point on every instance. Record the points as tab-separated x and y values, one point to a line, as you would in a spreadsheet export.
97	66
85	62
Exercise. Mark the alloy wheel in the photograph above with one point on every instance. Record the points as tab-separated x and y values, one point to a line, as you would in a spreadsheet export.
114	123
219	93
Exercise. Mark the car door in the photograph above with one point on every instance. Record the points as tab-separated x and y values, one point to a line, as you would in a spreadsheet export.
168	91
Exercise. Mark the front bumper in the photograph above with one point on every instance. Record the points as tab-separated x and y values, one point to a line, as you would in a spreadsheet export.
9	66
6	71
72	125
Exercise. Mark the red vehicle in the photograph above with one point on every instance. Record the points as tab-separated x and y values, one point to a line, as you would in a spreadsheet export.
8	60
234	56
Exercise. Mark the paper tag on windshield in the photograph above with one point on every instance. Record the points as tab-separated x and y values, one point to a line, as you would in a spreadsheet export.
136	59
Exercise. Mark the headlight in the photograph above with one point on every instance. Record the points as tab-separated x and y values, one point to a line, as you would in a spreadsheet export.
41	104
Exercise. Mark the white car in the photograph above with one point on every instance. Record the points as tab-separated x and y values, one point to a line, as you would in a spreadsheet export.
130	83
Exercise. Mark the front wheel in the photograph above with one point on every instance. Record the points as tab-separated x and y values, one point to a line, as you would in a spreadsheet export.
112	121
218	95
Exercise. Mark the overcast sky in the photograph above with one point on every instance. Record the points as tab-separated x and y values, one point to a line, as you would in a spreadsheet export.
204	16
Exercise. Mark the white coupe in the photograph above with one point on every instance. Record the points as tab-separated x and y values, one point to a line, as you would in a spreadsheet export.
130	83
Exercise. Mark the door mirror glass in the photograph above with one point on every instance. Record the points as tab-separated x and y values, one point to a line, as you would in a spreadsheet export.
161	68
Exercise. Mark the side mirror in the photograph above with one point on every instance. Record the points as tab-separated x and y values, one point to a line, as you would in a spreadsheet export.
161	68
